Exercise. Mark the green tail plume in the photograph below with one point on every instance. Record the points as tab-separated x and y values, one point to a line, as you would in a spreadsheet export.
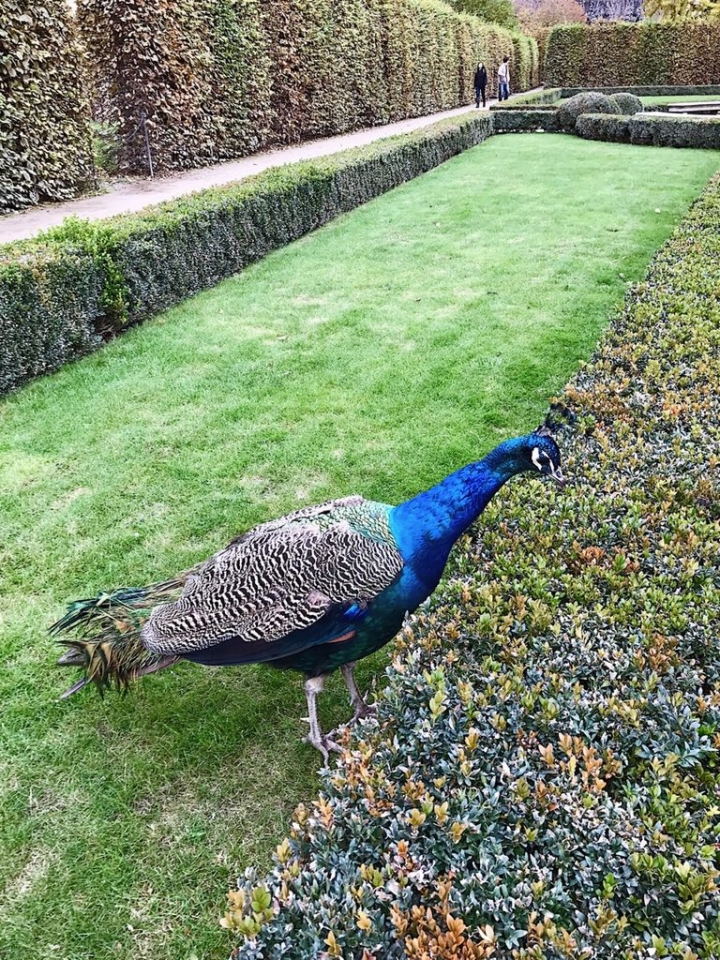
107	645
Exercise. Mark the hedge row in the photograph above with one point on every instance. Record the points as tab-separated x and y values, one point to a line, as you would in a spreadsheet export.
647	53
524	121
216	79
61	294
45	140
698	132
541	781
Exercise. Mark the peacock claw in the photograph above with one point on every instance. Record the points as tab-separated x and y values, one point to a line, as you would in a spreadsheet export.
324	745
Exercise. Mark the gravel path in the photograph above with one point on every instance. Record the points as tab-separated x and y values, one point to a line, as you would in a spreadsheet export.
130	196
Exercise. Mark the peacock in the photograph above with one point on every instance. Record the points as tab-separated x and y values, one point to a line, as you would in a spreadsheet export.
314	591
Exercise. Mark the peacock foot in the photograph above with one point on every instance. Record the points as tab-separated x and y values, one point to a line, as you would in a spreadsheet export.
364	710
324	744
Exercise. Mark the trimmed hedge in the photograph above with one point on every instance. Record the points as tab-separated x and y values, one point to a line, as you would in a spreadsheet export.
626	103
709	90
524	121
217	79
600	126
670	131
58	294
541	780
700	132
632	54
542	98
45	138
571	109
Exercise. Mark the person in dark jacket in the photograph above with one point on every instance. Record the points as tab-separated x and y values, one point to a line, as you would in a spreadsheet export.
480	84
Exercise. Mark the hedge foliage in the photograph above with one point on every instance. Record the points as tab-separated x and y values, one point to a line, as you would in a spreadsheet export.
591	102
670	131
525	121
541	781
45	140
633	54
217	79
86	280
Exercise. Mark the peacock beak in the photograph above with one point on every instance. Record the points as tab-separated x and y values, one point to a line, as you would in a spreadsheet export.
557	475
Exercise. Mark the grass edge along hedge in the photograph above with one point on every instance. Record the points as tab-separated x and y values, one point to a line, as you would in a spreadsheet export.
541	779
82	281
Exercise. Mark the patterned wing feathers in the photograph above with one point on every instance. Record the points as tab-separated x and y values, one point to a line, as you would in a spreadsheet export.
279	577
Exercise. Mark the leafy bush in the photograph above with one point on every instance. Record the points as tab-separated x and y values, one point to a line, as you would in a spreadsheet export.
45	144
83	281
214	79
632	54
524	121
699	132
569	111
541	781
626	104
541	98
600	126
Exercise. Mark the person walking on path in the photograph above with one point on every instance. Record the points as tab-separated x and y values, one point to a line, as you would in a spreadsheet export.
480	83
504	79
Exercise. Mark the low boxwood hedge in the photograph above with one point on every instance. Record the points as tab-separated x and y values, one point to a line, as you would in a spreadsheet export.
670	131
541	781
60	295
710	90
602	126
524	121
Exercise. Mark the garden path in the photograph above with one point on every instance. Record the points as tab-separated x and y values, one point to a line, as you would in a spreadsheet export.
129	196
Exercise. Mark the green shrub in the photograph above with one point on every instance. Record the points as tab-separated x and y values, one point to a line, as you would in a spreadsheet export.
541	781
626	104
670	131
60	293
600	126
633	54
667	90
49	304
569	111
524	121
214	79
45	143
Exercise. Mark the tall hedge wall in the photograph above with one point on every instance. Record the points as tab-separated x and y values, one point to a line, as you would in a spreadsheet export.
629	54
45	145
219	78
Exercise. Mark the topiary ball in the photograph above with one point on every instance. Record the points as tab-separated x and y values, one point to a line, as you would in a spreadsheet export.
626	104
582	103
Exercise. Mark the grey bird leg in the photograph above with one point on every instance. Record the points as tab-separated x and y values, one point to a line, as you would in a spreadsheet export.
314	686
359	704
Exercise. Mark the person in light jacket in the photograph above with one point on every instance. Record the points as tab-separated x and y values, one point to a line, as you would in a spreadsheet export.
504	79
480	83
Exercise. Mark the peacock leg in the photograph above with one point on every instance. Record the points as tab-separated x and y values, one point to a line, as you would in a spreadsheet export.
360	706
314	686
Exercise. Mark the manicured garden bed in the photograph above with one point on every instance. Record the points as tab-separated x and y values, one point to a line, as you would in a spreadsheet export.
542	778
372	356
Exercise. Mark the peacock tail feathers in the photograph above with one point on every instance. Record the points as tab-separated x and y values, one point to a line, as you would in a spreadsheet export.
107	644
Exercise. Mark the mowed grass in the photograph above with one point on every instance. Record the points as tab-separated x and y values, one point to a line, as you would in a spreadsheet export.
374	356
694	98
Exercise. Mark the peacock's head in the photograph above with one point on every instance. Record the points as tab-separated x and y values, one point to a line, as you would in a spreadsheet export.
545	455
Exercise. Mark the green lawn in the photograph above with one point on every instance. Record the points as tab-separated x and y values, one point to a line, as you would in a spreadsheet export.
374	356
659	101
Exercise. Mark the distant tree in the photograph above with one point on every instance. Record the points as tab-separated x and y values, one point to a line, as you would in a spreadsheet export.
677	11
501	12
535	14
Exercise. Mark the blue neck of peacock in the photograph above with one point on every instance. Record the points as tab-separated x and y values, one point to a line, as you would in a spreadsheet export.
427	526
